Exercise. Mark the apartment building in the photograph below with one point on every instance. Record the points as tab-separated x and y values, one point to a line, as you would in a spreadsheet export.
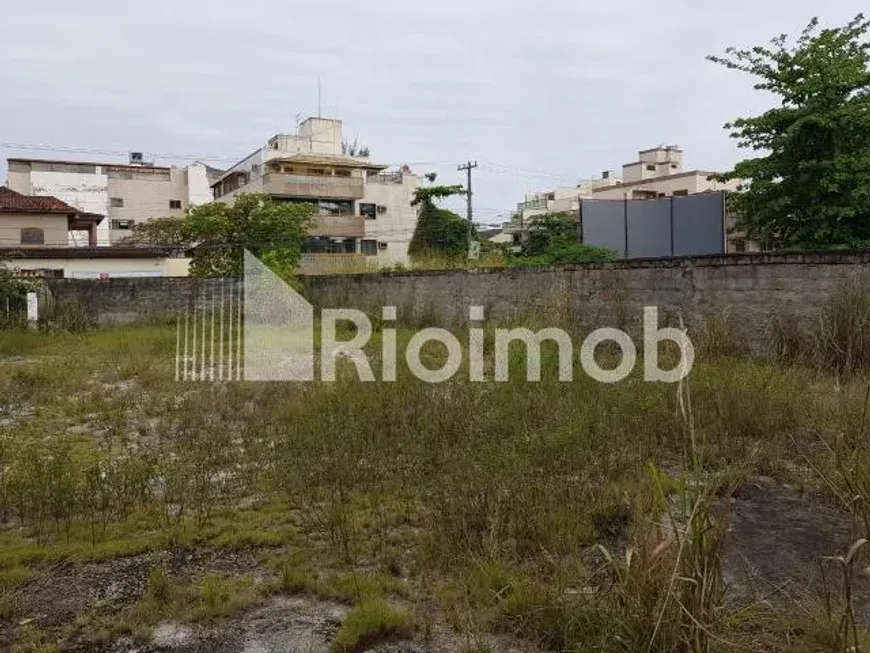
126	193
363	213
657	172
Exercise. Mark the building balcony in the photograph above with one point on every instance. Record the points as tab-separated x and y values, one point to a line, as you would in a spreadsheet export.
279	183
346	226
334	263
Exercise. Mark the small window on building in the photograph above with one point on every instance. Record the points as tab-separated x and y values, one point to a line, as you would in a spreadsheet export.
681	192
673	166
370	211
32	236
174	204
122	224
740	246
116	202
317	172
382	208
342	172
369	247
651	167
382	245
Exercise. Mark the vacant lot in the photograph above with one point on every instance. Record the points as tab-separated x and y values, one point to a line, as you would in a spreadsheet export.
141	513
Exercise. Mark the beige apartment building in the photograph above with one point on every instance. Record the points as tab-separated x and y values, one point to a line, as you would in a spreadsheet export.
363	213
657	172
126	193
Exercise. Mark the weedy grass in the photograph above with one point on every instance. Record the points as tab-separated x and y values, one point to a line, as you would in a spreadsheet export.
371	622
582	516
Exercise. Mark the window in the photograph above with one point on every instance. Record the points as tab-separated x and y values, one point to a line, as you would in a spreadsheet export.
174	204
382	245
370	211
740	246
335	207
673	166
116	202
369	247
682	192
342	172
317	172
32	236
382	208
122	224
651	167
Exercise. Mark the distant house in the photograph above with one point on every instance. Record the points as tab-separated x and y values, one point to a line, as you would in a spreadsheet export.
35	236
126	193
28	221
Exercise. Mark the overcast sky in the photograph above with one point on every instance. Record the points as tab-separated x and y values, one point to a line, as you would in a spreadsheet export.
539	93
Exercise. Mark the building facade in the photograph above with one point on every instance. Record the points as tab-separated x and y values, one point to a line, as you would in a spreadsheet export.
125	193
363	213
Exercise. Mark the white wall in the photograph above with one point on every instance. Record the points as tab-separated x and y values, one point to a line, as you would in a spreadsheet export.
198	189
396	226
86	192
115	268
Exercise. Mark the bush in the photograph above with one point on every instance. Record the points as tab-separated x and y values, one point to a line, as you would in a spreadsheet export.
371	622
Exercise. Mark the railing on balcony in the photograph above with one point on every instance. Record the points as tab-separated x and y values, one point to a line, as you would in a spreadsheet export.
331	263
279	183
348	226
387	178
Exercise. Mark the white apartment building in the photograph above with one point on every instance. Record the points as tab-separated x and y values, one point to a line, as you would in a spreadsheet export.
363	212
126	193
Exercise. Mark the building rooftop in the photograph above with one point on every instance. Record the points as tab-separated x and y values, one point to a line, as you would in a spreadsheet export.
12	202
125	166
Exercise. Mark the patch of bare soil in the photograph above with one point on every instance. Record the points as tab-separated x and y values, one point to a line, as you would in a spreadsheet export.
57	594
777	541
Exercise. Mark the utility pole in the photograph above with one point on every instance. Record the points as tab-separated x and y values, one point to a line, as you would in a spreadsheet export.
468	167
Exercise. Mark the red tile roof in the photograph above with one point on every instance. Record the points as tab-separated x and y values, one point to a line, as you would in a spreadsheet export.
12	202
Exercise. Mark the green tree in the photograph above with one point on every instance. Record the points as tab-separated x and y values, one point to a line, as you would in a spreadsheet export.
550	230
272	231
438	231
160	231
810	186
217	233
555	238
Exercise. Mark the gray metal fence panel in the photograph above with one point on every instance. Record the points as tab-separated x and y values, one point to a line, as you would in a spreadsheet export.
649	228
699	224
603	224
675	226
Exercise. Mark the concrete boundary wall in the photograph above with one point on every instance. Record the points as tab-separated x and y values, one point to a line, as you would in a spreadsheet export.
750	289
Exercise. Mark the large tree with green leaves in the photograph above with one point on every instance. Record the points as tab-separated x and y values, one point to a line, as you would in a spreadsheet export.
809	185
439	232
217	233
272	231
